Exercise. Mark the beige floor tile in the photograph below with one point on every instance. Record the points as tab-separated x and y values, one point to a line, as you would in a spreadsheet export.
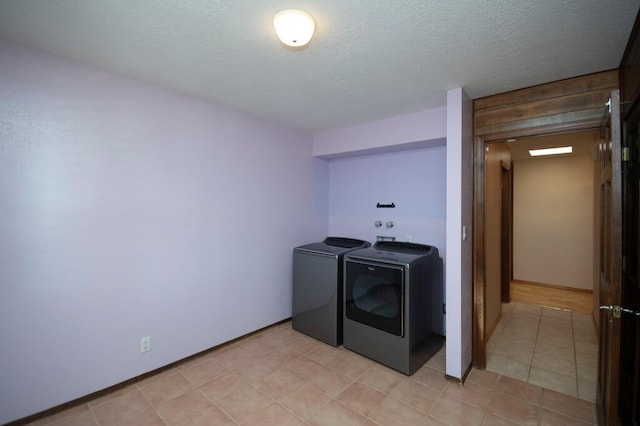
337	386
429	377
549	418
438	361
304	367
416	395
484	377
279	383
551	380
587	389
243	404
471	393
305	402
259	346
194	361
273	415
233	356
568	406
555	364
547	332
519	350
518	389
77	418
304	344
335	414
353	365
331	381
204	371
361	398
122	408
166	388
514	409
326	354
150	418
381	378
566	342
555	351
183	406
454	412
393	412
508	367
253	370
211	416
224	385
493	420
281	355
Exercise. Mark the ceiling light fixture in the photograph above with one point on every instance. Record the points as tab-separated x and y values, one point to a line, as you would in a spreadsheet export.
551	151
294	27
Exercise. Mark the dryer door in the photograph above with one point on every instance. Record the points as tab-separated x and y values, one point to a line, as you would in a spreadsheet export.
374	295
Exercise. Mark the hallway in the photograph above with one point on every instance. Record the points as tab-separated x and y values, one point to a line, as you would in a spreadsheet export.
547	347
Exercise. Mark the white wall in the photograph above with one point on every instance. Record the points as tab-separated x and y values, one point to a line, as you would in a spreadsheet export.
129	211
458	269
553	221
413	180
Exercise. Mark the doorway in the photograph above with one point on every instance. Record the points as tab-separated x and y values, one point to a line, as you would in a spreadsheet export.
564	106
553	216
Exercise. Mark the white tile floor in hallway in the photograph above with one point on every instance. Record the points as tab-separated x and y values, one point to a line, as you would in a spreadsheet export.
548	347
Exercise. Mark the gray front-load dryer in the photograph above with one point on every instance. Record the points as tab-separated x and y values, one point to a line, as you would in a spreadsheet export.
317	287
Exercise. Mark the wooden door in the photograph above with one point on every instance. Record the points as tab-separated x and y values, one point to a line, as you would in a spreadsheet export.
505	234
629	406
610	263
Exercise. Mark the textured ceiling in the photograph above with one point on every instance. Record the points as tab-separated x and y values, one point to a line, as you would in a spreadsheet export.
369	59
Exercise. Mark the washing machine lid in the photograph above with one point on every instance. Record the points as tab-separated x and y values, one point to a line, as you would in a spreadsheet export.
404	247
334	246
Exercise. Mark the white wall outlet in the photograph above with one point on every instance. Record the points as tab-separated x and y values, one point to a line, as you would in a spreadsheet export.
145	344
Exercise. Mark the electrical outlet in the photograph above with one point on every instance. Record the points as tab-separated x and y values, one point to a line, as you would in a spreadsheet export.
408	238
145	344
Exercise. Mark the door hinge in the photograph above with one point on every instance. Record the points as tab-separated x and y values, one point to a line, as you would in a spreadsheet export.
608	105
618	310
625	153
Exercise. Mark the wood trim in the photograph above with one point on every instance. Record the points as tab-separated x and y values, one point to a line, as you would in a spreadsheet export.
630	71
565	298
479	353
559	287
493	327
544	118
589	82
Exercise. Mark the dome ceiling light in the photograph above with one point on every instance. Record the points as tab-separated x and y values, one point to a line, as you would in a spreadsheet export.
294	27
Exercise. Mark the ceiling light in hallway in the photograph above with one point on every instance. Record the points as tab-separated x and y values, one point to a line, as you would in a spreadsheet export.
551	151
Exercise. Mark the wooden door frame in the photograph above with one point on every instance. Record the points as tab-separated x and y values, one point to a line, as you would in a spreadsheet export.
559	107
506	237
479	217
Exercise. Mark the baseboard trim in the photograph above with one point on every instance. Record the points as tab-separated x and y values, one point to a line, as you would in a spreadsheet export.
552	296
90	397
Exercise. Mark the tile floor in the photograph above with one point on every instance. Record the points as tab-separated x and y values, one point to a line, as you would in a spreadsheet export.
546	347
281	377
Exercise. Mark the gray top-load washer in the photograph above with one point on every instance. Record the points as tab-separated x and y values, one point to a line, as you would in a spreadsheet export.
317	287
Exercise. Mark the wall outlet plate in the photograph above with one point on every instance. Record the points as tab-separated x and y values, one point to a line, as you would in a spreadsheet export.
145	344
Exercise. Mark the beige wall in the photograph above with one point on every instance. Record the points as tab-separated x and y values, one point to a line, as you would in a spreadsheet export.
493	306
553	221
